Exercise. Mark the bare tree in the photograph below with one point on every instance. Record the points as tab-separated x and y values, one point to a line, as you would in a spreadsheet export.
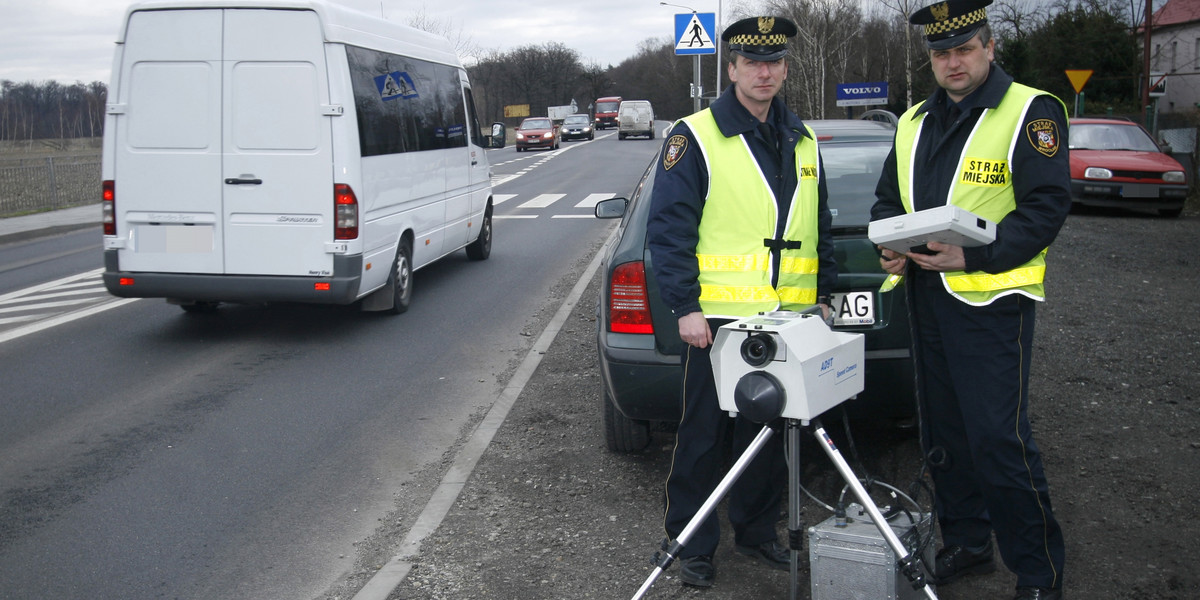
464	46
905	8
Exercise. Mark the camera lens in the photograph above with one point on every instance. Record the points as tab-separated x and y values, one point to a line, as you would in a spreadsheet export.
758	349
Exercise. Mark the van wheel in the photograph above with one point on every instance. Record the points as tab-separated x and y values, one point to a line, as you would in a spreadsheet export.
622	434
481	248
402	279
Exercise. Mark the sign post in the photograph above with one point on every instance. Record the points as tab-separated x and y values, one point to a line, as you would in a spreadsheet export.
694	36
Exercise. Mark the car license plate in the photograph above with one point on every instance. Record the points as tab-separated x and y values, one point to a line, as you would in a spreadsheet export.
853	308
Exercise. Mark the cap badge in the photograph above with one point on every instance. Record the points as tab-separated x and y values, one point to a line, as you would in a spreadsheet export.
766	24
940	11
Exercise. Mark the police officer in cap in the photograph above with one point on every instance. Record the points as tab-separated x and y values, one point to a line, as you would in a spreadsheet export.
738	225
998	149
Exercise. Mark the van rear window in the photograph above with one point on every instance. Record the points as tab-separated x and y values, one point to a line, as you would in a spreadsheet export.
405	104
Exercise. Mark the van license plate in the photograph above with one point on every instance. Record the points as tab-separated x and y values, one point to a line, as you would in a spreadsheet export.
853	308
174	239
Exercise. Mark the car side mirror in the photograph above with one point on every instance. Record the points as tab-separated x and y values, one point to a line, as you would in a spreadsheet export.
498	137
612	208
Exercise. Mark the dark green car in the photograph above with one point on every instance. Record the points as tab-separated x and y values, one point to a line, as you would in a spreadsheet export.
638	337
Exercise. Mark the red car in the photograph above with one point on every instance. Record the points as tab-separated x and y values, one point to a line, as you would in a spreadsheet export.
537	132
1117	163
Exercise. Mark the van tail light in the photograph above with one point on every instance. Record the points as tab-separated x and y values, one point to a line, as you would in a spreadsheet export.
628	300
345	207
108	207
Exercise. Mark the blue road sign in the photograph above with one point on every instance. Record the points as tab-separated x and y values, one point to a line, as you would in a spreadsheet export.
862	94
694	33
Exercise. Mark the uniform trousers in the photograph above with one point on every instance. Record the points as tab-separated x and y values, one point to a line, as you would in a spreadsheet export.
698	463
973	384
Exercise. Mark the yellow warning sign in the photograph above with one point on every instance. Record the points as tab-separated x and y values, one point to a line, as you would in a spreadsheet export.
516	110
1078	77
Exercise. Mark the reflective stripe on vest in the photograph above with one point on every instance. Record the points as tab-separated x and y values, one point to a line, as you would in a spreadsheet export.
982	185
740	212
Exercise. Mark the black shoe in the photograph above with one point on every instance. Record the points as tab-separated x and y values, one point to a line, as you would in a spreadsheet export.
697	571
953	562
772	554
1037	593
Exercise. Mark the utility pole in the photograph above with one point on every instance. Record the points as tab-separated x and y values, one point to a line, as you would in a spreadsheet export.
1146	26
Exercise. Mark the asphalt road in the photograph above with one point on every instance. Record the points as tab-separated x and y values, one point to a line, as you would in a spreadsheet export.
152	453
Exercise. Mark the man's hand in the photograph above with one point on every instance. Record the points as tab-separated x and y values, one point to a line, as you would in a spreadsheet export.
892	262
694	331
947	258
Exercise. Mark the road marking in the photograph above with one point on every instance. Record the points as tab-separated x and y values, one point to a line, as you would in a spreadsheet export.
592	200
543	201
64	318
498	199
51	284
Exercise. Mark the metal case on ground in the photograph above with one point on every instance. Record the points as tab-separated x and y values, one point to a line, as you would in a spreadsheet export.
854	562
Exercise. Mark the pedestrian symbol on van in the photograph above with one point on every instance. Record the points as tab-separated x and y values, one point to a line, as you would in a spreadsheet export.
396	84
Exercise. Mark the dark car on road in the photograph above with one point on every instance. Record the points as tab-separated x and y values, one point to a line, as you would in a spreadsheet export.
1117	163
537	132
638	337
578	127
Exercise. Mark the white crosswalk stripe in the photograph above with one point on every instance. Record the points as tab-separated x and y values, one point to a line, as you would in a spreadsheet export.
592	199
543	201
42	306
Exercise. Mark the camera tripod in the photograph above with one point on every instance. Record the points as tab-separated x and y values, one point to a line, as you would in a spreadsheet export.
908	562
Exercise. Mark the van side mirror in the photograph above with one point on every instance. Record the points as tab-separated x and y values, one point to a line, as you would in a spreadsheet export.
498	137
612	208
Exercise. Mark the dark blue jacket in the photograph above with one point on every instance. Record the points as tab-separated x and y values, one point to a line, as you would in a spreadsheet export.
677	200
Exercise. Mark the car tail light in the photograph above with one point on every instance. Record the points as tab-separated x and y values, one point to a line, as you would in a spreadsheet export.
345	206
108	207
628	300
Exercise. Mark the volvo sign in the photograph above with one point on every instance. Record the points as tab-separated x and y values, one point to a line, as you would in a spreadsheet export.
862	94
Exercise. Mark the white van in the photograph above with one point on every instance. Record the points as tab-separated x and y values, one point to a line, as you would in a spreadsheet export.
286	150
635	117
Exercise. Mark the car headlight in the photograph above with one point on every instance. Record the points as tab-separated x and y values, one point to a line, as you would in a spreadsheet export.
587	129
548	134
1097	173
520	136
1173	177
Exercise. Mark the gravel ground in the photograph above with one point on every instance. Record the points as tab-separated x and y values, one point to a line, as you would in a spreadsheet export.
550	513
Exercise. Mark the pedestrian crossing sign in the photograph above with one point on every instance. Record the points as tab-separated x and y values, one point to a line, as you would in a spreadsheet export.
397	84
694	33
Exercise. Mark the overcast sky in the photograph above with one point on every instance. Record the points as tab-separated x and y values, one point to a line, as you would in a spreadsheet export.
72	40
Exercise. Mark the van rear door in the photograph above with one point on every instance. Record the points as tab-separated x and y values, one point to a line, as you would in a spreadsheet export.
223	155
277	168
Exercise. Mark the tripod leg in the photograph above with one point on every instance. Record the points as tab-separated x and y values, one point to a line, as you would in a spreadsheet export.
795	523
906	560
706	509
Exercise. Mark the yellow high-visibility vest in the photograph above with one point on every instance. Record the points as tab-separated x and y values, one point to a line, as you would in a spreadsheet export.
982	185
740	214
